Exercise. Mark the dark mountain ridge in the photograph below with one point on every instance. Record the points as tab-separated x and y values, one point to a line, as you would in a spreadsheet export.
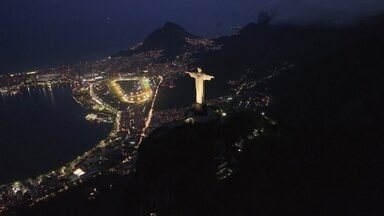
171	38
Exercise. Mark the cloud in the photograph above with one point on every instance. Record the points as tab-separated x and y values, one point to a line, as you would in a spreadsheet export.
312	11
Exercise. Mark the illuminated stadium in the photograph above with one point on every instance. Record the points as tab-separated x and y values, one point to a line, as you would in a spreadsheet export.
131	90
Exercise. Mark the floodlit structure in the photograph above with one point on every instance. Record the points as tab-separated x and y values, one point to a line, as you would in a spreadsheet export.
79	172
200	77
138	96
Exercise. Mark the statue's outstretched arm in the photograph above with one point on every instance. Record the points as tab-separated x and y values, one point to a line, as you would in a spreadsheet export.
192	74
208	77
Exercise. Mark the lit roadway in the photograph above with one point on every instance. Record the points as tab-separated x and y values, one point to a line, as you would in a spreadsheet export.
149	117
150	114
97	100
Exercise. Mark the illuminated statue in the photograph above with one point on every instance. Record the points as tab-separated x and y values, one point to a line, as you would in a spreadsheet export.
200	77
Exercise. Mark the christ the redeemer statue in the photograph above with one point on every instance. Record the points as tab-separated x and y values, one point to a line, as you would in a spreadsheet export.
200	77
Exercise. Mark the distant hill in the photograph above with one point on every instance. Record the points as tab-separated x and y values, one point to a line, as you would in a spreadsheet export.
171	38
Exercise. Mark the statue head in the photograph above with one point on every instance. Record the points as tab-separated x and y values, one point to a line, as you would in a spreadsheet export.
199	70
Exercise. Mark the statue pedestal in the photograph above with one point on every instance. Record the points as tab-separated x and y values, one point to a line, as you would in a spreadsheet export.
201	113
200	109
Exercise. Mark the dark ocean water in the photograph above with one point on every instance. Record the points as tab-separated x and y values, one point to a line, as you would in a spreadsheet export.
42	130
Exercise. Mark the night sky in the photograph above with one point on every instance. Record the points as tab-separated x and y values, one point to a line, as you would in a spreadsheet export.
42	33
